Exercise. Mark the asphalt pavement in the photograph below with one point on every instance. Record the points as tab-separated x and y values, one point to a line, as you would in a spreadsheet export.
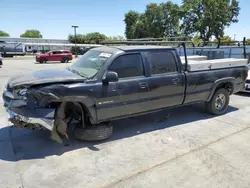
184	148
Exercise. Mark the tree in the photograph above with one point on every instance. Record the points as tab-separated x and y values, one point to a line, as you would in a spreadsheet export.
31	33
80	39
131	18
208	17
115	38
247	41
158	20
89	38
3	34
94	38
196	39
225	41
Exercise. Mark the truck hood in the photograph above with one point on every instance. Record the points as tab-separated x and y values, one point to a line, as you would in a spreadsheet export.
44	77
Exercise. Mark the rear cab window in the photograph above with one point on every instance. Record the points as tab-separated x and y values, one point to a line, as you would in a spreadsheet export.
128	66
162	62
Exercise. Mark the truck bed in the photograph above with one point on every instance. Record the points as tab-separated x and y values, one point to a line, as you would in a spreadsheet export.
195	64
193	57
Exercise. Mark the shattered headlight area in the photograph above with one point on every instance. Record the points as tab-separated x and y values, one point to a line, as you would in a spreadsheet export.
15	97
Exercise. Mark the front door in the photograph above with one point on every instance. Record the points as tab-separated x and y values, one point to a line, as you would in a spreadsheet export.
128	95
56	56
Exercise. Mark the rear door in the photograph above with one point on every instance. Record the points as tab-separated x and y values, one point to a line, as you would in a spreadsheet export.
166	83
128	95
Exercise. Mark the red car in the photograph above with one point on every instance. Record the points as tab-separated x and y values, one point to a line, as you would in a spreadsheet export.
55	55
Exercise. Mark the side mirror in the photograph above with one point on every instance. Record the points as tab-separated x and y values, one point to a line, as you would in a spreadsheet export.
110	77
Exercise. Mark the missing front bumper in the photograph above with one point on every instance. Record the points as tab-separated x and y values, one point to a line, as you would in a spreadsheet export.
20	120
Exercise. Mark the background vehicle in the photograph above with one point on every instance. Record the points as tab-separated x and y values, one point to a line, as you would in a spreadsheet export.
109	83
10	49
247	85
64	56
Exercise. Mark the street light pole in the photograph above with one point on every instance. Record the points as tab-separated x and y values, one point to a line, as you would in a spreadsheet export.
75	26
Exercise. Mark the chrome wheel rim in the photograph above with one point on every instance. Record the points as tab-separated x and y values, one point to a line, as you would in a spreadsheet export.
220	101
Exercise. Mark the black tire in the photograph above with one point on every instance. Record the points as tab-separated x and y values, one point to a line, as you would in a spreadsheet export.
65	60
43	61
94	133
217	105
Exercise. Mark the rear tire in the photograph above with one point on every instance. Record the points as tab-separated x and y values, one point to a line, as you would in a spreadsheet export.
94	133
65	60
219	103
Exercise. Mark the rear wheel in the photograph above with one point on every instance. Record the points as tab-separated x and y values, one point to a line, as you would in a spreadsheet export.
219	102
93	132
65	60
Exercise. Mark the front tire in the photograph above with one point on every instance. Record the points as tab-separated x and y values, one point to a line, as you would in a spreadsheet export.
43	61
219	103
94	132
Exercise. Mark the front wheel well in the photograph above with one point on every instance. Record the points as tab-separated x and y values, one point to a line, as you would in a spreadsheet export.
71	110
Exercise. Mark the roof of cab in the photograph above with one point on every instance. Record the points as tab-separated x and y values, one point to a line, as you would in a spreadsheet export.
142	47
130	48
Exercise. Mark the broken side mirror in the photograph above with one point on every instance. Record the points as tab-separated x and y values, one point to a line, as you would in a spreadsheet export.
110	77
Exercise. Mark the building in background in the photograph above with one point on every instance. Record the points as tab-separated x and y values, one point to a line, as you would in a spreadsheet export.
10	46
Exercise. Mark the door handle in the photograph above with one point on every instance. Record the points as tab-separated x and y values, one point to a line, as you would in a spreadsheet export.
143	85
175	80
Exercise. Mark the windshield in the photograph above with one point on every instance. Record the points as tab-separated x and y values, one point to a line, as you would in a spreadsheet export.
89	63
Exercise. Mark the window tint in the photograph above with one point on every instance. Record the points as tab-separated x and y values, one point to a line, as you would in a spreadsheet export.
57	52
128	66
162	62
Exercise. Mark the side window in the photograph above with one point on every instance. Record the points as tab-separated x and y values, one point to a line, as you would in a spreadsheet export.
162	62
128	66
57	52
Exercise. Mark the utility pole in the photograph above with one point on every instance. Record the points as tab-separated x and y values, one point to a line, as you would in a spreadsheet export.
75	26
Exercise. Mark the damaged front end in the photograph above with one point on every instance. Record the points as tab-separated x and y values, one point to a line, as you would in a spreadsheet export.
39	108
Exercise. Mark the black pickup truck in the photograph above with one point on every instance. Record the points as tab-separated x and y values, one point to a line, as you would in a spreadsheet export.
109	83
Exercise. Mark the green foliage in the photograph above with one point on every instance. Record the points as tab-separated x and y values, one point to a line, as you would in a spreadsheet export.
4	34
247	41
90	38
208	17
115	38
226	41
196	39
158	20
131	19
31	33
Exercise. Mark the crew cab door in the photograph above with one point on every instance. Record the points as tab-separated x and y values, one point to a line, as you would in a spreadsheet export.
166	83
128	95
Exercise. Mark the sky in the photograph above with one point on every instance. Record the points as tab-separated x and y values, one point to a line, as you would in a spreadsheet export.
54	18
